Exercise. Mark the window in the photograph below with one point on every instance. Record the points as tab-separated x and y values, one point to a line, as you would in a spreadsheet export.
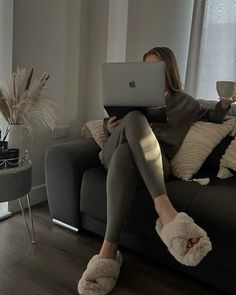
216	59
218	50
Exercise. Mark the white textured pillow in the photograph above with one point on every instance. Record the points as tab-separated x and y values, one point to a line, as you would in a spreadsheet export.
94	128
228	161
199	142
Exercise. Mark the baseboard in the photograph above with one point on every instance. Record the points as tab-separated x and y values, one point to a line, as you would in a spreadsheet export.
37	195
65	225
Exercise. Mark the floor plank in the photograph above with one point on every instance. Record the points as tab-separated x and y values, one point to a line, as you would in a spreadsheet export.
54	265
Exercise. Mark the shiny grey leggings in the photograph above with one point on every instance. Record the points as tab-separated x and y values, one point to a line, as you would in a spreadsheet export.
131	152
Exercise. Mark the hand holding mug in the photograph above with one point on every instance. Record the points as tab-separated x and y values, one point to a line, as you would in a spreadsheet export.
226	91
226	102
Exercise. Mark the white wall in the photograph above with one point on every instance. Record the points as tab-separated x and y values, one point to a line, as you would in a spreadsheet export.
97	53
6	36
159	23
6	29
47	37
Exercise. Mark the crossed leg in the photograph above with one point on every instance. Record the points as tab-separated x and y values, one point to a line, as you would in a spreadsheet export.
131	149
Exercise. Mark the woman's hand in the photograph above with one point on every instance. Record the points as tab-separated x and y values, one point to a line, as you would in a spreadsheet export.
227	102
112	123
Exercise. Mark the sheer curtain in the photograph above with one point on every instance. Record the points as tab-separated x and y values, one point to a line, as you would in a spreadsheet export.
212	49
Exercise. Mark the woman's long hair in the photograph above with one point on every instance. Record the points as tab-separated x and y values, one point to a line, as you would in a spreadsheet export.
172	72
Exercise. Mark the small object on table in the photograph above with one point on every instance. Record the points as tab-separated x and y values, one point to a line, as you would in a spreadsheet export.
12	158
3	145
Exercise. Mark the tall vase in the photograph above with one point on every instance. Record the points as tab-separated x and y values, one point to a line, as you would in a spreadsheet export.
17	138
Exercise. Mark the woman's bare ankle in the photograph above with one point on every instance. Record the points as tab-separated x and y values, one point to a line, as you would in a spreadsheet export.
108	250
165	209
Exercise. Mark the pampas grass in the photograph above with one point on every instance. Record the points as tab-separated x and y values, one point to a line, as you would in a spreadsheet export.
21	101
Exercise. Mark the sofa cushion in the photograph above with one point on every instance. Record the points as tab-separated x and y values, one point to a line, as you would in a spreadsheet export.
142	215
214	207
93	200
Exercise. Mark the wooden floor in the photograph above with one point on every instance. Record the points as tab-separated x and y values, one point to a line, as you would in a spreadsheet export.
55	264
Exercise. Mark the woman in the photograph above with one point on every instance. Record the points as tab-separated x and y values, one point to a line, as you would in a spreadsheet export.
134	150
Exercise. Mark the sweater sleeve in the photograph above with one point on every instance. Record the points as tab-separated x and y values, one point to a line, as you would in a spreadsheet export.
215	115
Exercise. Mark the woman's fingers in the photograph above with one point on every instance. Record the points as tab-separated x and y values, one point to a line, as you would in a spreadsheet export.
116	122
112	123
112	119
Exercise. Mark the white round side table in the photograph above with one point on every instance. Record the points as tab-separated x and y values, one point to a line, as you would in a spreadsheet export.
15	183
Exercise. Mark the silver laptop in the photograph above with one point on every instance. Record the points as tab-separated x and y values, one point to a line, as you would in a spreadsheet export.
135	86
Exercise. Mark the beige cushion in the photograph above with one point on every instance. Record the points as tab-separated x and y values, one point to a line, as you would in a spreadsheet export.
228	161
94	128
199	142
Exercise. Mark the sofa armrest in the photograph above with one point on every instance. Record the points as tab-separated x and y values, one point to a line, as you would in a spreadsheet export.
65	164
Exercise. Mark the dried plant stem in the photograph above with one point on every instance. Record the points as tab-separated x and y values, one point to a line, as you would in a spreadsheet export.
25	105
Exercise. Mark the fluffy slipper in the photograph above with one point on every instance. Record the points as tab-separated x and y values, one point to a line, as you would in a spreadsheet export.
100	276
176	235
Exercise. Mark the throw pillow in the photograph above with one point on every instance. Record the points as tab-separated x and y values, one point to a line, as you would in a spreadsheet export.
199	142
94	128
228	161
211	165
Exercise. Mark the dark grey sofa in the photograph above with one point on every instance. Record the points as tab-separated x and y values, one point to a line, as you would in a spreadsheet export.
76	189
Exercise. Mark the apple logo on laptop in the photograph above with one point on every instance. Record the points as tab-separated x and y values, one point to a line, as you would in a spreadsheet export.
132	84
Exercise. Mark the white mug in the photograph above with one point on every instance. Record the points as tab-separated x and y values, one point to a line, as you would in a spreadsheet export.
226	89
